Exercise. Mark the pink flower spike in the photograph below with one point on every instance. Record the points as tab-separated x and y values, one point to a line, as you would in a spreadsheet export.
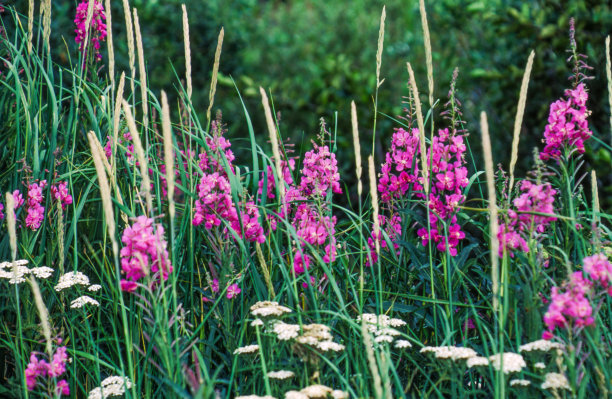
62	388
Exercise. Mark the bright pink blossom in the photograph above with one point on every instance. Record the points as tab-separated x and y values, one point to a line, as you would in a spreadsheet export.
60	193
96	28
35	211
319	172
599	269
144	252
40	369
567	126
233	291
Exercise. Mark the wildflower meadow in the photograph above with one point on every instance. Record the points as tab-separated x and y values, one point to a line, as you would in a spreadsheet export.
145	254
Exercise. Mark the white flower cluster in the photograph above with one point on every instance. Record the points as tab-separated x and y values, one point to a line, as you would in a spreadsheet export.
453	353
541	345
316	391
16	274
111	386
319	336
94	288
508	363
555	381
477	361
70	279
82	301
246	349
381	327
268	308
281	374
520	383
255	397
284	331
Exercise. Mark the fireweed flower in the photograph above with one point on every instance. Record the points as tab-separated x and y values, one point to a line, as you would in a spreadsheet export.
144	252
569	306
600	270
1	209
522	221
97	27
129	149
567	126
35	211
40	369
60	193
18	198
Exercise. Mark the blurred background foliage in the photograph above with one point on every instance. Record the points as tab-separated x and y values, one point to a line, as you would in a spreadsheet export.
315	56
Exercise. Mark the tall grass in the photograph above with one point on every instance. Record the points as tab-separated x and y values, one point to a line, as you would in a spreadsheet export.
379	312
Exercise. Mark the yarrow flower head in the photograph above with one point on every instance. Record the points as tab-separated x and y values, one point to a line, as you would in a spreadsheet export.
144	252
96	28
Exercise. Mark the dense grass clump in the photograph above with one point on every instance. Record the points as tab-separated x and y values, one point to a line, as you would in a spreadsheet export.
140	257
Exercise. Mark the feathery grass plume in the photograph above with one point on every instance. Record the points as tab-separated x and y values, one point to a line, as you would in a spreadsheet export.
595	195
90	9
264	268
168	152
428	58
10	224
107	203
367	342
145	187
46	9
493	222
43	313
357	147
117	118
143	73
274	142
129	30
60	236
379	51
609	77
518	120
187	52
30	25
113	163
109	43
374	195
421	124
213	83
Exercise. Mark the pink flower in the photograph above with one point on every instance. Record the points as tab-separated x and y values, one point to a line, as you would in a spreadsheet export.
35	212
320	173
97	27
62	388
599	269
18	199
144	252
36	368
233	291
57	366
567	126
60	193
1	213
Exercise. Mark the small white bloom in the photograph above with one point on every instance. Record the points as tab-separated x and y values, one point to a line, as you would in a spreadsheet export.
110	386
338	394
256	323
94	288
512	362
295	395
520	383
540	345
316	391
450	352
246	349
383	338
20	262
281	374
402	343
15	275
477	361
255	397
330	346
285	332
555	381
539	365
71	278
82	301
42	272
397	322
